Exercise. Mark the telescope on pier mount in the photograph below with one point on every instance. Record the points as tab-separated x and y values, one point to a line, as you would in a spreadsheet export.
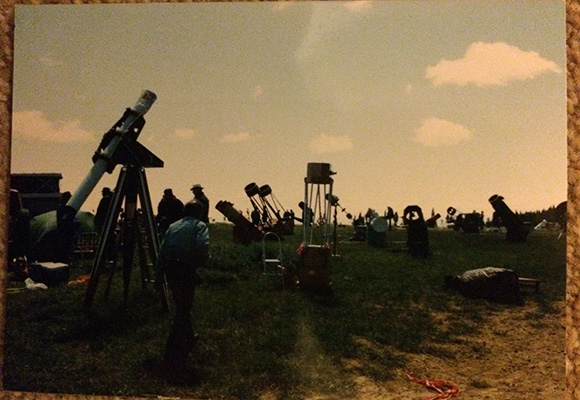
314	270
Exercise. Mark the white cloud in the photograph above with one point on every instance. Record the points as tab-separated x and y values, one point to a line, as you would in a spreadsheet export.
440	132
236	137
34	124
487	64
330	144
185	133
327	23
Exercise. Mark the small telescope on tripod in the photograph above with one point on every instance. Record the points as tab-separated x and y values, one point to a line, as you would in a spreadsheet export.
119	146
334	202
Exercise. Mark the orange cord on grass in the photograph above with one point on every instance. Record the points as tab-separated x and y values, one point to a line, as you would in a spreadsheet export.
445	389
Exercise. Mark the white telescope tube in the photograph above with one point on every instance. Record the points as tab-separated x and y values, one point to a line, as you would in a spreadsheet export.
101	164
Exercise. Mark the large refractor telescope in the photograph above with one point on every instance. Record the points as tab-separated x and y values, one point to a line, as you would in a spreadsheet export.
57	236
111	149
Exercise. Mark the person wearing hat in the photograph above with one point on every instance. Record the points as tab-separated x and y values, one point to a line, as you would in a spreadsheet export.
198	195
169	210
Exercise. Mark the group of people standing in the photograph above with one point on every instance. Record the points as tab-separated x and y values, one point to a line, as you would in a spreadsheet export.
171	209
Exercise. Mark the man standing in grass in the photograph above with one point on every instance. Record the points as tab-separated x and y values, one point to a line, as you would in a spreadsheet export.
199	195
169	210
184	249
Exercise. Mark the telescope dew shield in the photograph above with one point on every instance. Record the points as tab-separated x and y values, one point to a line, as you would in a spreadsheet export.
101	164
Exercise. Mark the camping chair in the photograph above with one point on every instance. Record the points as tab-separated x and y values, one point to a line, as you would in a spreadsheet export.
272	266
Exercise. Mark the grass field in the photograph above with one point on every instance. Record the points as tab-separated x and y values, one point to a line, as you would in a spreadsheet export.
256	338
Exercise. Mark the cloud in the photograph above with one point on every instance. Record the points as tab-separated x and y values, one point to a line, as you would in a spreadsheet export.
439	132
34	124
236	137
185	133
327	23
490	64
330	144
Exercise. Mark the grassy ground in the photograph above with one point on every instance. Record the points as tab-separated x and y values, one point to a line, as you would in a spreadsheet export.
256	338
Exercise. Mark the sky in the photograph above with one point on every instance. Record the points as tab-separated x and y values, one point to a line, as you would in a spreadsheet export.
429	103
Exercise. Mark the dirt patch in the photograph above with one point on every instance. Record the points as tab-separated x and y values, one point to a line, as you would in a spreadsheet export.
320	379
519	354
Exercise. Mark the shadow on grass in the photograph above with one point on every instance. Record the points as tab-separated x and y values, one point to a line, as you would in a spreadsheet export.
256	339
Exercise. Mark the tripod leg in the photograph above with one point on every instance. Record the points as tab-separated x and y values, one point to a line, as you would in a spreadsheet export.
151	226
110	274
145	275
104	243
152	235
130	228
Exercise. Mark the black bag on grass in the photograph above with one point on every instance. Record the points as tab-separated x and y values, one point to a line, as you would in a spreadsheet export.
500	285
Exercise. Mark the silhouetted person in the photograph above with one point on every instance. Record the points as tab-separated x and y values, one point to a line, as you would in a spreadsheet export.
198	195
307	215
390	215
417	234
61	206
255	217
103	209
169	210
183	250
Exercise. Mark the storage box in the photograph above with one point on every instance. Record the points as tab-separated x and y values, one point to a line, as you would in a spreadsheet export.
314	271
49	273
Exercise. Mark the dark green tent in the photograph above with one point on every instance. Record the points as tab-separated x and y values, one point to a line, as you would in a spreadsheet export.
49	243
